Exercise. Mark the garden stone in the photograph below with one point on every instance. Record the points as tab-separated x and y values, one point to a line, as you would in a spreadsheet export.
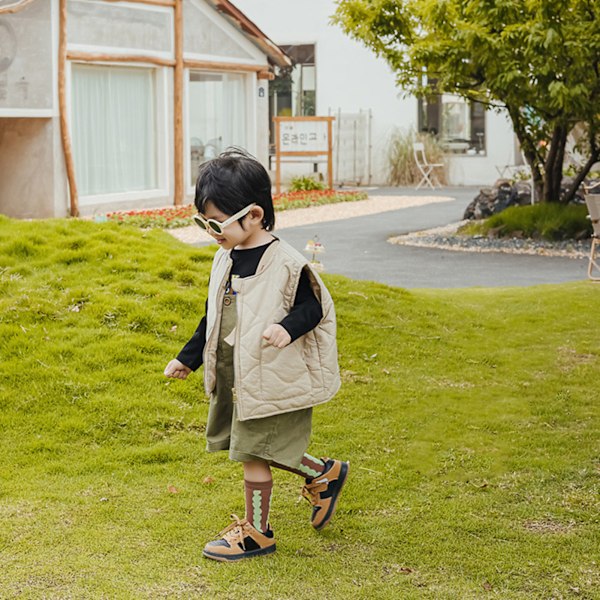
505	197
505	194
523	192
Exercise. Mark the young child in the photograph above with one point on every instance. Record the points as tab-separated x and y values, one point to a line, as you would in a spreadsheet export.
268	345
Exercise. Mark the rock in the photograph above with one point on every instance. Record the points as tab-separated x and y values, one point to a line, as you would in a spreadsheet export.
481	207
505	194
502	181
505	197
523	192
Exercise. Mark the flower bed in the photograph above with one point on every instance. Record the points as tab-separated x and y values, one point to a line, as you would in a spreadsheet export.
181	216
164	218
304	199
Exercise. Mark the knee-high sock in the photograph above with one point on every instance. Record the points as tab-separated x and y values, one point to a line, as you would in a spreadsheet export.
258	503
309	467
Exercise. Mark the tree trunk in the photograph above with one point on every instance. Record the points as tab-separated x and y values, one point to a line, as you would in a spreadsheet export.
594	158
529	149
553	167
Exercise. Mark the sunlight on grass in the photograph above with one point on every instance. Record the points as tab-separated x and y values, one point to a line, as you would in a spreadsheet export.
470	418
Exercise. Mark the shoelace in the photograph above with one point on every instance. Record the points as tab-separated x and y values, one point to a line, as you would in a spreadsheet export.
234	533
311	492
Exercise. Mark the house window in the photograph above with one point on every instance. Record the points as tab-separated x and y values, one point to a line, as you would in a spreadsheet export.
217	115
458	124
294	94
114	129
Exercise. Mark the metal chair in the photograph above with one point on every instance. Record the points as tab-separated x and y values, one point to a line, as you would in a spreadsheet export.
426	168
593	206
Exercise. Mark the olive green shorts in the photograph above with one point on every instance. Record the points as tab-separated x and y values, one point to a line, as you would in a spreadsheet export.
280	438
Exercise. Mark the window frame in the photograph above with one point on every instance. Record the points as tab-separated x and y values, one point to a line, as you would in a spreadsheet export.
250	85
431	108
161	135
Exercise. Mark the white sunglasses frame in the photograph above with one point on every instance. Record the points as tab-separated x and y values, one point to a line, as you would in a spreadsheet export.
206	224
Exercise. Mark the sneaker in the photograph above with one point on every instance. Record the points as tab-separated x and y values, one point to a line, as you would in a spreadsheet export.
240	540
323	491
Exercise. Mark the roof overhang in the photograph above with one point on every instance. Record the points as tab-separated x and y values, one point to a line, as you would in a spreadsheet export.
276	56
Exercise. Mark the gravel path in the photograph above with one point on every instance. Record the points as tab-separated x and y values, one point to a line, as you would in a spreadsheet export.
444	237
322	214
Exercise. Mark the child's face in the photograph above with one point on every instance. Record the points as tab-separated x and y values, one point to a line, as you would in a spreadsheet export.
234	234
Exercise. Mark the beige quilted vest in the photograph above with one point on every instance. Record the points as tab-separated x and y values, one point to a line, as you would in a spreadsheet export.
269	380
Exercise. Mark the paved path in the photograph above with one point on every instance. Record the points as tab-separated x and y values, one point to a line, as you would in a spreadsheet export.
357	247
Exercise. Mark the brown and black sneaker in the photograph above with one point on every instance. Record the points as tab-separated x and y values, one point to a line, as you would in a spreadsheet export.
240	540
323	491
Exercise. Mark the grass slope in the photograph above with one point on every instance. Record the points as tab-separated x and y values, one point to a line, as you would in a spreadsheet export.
470	418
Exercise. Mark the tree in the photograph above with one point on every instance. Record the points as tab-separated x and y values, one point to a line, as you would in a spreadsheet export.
538	59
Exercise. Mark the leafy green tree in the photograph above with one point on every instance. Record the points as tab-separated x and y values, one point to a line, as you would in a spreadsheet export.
538	59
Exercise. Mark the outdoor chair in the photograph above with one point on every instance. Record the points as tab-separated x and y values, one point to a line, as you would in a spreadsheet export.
593	206
427	169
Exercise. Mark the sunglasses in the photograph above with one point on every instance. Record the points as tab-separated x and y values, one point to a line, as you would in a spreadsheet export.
215	226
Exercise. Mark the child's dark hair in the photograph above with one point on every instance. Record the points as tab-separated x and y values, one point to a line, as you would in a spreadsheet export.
232	181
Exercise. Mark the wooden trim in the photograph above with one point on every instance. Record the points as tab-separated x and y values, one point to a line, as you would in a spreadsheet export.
16	7
62	103
222	66
304	152
277	156
241	22
304	119
178	72
169	3
120	58
266	75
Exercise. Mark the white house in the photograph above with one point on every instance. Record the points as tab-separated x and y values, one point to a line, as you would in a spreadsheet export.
108	104
336	75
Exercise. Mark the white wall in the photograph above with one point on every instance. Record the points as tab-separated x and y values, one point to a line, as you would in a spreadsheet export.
351	77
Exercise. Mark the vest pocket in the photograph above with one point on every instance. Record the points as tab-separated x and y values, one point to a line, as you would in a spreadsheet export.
284	373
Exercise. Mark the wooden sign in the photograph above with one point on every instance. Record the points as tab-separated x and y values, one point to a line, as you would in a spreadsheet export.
302	139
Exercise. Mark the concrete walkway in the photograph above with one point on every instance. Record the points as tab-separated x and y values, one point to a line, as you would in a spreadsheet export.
357	247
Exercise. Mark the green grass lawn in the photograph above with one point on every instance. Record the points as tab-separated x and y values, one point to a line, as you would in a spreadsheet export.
470	418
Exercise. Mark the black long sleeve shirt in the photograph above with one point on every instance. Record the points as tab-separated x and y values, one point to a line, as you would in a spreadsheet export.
304	315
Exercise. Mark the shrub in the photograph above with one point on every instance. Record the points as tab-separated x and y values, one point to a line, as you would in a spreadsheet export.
402	166
548	221
304	183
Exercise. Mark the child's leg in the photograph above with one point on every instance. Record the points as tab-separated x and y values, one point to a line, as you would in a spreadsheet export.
324	482
251	536
258	485
309	467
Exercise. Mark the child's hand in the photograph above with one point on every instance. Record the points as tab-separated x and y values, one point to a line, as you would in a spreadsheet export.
277	336
177	369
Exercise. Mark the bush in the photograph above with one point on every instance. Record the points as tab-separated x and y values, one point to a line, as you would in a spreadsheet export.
402	166
547	221
305	184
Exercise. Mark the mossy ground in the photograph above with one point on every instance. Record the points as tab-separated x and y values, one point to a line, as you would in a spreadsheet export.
471	419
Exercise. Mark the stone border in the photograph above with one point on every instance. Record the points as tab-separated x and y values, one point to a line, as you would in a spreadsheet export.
446	238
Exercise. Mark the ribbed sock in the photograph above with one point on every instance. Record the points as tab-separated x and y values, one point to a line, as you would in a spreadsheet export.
258	503
309	467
